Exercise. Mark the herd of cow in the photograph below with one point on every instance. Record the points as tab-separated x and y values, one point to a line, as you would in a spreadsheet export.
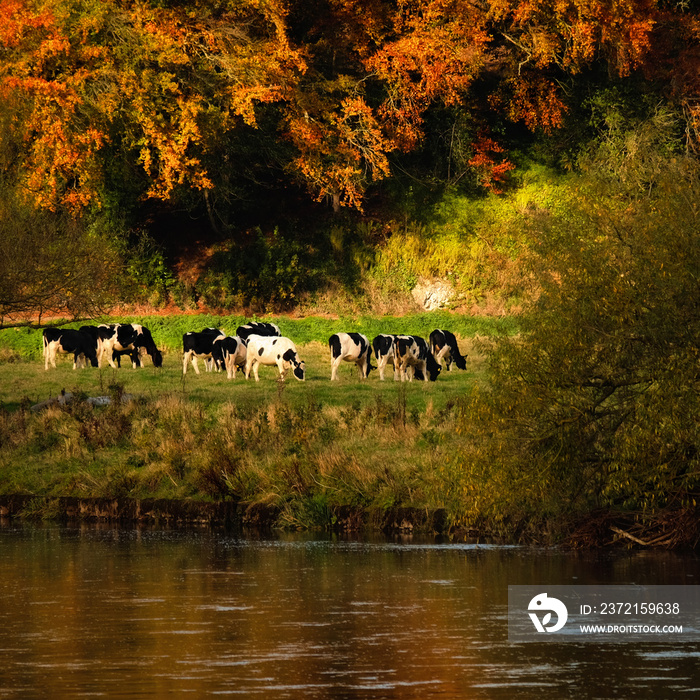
256	344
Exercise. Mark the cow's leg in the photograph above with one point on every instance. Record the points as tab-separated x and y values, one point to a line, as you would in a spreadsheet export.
424	369
403	368
335	363
444	354
50	356
230	364
109	349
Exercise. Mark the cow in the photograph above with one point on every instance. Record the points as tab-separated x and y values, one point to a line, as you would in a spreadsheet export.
68	341
443	346
273	350
94	332
384	350
350	347
127	338
199	344
257	328
229	352
414	357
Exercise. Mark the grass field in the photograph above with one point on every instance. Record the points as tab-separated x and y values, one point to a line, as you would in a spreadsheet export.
26	381
22	376
304	447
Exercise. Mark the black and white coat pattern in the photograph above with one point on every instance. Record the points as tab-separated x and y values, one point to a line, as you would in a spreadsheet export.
230	353
199	344
384	346
415	359
350	347
273	351
127	338
69	342
443	346
257	328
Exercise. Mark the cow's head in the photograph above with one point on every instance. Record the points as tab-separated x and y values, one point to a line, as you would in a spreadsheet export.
292	361
157	357
433	368
299	371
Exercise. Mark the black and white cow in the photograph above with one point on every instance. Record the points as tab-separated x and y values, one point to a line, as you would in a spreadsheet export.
199	344
273	350
230	353
443	346
70	342
129	339
94	332
257	328
385	350
350	347
414	356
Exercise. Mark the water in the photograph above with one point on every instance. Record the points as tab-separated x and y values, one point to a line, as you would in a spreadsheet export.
116	613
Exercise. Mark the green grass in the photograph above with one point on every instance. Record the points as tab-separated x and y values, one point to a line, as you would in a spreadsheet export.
25	343
302	446
26	381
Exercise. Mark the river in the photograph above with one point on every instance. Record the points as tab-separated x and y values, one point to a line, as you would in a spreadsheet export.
114	612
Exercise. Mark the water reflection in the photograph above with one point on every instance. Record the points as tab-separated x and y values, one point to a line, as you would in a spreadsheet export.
124	612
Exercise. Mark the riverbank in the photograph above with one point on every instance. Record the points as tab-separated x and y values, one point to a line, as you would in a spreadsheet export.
679	530
227	514
345	456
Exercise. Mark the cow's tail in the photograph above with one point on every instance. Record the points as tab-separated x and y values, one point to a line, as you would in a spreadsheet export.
459	359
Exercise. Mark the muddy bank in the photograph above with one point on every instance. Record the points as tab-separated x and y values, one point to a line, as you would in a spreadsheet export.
222	514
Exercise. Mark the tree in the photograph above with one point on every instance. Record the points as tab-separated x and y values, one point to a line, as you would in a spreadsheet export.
594	404
52	265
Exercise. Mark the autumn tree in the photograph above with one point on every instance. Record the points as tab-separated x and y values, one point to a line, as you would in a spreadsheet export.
157	99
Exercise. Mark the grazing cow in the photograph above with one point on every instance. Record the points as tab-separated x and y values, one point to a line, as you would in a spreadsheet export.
443	346
257	328
414	357
68	341
385	349
275	350
230	353
350	347
128	338
200	344
94	332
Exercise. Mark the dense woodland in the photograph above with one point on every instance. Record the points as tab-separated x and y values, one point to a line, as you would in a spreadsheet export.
326	156
315	146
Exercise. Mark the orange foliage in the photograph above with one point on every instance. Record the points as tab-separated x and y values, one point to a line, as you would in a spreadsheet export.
154	76
350	81
491	169
571	33
439	50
